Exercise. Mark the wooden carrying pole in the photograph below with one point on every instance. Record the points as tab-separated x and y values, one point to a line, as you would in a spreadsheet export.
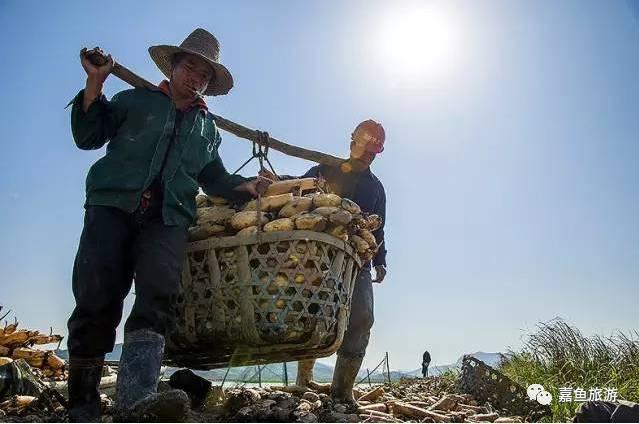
97	57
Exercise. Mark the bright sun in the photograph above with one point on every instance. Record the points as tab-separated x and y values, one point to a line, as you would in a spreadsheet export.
418	42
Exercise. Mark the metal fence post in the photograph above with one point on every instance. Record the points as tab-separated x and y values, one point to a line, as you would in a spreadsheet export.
388	368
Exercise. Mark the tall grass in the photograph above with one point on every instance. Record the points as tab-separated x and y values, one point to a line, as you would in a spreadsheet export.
558	355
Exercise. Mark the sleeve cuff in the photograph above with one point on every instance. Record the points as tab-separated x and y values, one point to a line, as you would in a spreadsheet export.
226	188
94	108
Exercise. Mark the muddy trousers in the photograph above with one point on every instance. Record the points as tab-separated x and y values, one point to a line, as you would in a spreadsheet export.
361	317
116	248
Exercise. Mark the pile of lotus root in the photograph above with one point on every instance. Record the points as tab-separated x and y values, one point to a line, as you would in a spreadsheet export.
431	400
286	206
18	344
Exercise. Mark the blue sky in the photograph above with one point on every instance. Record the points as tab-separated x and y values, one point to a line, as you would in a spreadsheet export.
510	166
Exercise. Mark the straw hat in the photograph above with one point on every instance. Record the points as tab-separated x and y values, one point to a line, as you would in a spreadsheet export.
204	45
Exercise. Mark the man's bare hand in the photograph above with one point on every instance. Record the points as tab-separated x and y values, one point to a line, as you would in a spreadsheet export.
380	274
258	185
96	75
265	173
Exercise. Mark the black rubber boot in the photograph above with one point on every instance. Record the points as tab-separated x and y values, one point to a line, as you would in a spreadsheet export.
344	376
83	386
137	398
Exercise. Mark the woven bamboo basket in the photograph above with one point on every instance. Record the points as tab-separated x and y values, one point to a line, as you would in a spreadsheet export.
244	302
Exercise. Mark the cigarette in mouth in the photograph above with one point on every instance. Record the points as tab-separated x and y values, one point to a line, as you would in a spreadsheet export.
197	92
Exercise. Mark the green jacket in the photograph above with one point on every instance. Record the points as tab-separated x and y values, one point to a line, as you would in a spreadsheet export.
138	125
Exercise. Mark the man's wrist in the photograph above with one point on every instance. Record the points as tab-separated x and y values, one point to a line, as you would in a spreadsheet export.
241	186
93	80
92	91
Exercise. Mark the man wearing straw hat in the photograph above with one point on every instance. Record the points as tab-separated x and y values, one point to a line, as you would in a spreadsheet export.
140	200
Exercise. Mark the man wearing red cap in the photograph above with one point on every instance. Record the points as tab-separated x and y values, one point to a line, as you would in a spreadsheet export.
354	180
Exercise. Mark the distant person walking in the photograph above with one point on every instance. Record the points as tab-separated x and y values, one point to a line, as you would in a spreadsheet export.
425	364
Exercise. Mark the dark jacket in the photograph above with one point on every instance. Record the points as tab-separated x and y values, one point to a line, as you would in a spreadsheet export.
138	126
364	189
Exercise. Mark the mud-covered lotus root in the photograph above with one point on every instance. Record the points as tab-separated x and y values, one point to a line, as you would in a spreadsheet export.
311	222
326	211
341	217
326	199
359	243
245	219
338	231
374	222
270	203
367	255
214	214
282	224
296	206
248	231
368	237
359	221
352	207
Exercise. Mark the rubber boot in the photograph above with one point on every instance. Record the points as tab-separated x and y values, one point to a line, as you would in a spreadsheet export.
137	398
83	386
346	369
305	372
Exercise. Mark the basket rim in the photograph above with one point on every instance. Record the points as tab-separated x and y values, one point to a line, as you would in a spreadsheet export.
234	241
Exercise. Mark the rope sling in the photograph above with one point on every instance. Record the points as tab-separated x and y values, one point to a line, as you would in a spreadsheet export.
260	152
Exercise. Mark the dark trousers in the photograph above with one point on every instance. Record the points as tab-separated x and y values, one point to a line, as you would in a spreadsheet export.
425	368
115	248
361	318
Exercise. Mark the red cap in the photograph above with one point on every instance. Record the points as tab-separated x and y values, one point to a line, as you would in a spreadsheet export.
371	134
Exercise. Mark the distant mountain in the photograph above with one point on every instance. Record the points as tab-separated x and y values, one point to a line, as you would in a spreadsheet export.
433	370
112	356
274	373
270	373
492	359
324	372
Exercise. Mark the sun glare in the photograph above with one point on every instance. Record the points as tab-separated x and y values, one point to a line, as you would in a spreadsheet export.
418	42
